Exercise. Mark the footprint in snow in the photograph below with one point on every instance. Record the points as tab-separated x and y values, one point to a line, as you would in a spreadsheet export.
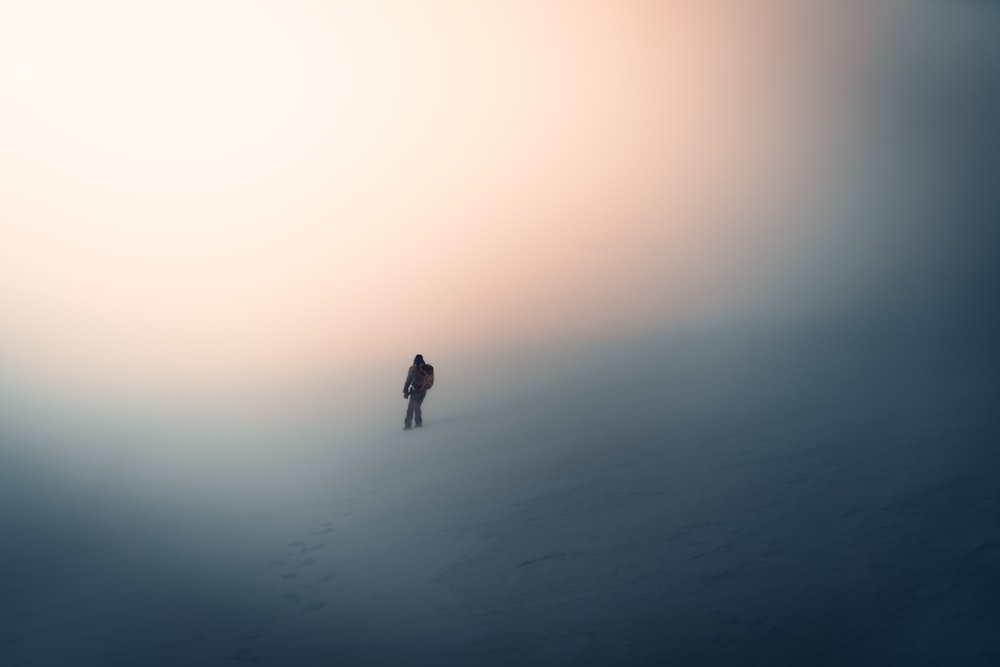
244	655
322	580
316	605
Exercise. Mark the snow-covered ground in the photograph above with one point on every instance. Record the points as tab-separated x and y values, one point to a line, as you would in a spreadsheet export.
689	501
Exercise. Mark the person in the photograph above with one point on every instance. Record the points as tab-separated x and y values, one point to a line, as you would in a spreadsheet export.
419	379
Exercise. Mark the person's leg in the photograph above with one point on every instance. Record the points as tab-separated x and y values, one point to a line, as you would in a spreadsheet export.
412	406
418	399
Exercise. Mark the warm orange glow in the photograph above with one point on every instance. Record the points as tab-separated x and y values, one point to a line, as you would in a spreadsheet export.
214	192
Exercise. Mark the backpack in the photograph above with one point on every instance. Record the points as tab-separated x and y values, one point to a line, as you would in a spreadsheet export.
424	379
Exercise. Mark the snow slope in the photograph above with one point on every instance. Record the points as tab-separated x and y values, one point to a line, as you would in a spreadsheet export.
681	501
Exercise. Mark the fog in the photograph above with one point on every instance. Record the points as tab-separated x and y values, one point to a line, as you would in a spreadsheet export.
298	185
802	473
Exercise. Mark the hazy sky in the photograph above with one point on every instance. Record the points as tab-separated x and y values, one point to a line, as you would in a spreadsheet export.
198	193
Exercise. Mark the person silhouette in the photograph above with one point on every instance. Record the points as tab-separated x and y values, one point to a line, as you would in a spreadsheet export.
419	379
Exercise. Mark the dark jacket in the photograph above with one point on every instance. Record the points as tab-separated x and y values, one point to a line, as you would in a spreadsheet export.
415	378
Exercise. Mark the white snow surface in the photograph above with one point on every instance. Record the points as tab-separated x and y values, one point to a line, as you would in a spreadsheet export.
678	502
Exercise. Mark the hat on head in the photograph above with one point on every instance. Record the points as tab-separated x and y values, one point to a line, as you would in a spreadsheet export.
419	359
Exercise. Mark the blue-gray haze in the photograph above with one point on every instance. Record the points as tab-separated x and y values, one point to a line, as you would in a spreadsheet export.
811	482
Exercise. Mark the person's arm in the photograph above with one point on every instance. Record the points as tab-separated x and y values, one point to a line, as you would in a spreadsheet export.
409	379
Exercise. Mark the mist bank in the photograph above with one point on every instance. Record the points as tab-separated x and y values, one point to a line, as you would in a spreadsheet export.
809	478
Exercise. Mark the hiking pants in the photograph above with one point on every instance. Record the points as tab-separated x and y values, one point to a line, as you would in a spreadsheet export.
413	407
